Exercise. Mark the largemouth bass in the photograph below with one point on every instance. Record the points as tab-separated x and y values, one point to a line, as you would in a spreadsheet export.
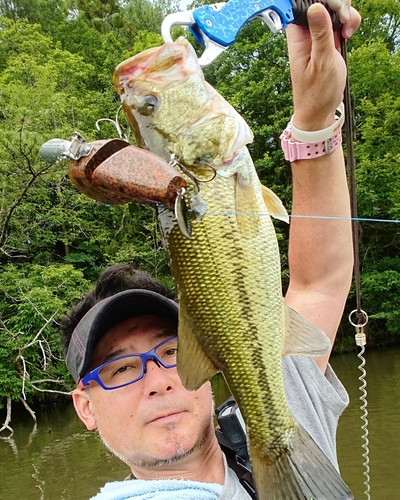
232	316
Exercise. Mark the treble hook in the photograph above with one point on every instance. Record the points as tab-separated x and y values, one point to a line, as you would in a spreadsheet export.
213	169
116	124
175	163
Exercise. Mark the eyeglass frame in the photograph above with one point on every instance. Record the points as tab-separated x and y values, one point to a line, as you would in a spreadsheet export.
145	356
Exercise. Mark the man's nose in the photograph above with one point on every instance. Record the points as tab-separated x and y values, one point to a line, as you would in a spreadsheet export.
155	360
156	381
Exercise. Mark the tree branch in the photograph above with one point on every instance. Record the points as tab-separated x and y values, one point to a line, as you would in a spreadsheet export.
8	419
28	409
51	391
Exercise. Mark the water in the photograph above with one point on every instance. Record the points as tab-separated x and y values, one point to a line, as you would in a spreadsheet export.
383	387
61	460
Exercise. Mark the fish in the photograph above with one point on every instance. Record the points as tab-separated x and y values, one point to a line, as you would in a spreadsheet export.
224	258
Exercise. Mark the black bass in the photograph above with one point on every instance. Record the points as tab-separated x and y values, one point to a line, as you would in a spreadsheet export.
226	266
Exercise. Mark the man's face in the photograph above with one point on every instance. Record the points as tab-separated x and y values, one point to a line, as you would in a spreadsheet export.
155	419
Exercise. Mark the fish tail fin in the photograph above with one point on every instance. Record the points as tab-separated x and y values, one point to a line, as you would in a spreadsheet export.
302	473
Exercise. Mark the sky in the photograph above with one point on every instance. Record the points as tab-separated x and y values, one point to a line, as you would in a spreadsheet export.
184	3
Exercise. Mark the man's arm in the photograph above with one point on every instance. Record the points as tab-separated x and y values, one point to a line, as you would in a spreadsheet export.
320	250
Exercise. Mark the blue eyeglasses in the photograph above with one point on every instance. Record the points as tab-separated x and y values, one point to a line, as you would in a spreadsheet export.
130	368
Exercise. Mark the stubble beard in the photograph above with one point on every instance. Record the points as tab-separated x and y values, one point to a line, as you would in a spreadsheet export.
180	453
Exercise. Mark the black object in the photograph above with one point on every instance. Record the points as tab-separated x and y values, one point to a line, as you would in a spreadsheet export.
232	438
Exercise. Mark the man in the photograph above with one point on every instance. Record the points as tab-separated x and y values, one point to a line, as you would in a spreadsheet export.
139	406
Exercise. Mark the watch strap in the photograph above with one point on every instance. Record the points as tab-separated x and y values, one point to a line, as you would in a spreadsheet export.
306	151
319	135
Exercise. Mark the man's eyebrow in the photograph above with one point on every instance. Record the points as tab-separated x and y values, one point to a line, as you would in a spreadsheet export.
163	334
167	333
113	354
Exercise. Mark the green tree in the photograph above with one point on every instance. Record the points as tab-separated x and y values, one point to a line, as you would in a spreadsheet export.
37	85
375	84
100	14
381	22
46	13
31	361
35	11
146	15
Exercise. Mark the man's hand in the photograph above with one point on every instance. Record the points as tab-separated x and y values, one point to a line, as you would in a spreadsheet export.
317	68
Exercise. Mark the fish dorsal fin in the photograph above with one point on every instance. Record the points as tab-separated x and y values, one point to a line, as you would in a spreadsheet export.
194	367
274	205
302	337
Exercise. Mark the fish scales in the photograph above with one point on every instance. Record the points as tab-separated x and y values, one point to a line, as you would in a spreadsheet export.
232	316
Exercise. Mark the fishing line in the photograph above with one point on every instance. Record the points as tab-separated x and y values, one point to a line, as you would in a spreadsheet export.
334	217
295	216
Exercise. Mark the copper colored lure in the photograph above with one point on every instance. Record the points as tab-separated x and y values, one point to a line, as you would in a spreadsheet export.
115	172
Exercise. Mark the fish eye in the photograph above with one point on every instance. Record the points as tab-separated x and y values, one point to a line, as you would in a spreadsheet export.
150	102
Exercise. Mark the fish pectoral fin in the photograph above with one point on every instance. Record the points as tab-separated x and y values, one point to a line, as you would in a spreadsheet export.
302	337
274	205
194	367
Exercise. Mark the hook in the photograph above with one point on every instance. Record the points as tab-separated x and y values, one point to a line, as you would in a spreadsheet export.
116	124
175	163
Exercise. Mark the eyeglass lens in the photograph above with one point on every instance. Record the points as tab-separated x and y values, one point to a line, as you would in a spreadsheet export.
130	368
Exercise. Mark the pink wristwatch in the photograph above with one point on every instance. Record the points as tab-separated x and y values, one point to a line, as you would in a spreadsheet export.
306	150
312	144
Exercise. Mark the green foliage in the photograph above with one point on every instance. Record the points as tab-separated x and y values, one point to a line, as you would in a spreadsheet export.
382	286
375	84
146	15
380	23
45	13
32	298
53	240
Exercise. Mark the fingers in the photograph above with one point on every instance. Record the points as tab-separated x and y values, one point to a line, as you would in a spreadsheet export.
319	24
342	7
352	25
297	33
348	16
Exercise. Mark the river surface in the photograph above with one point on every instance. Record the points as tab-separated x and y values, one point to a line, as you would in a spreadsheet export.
60	460
383	387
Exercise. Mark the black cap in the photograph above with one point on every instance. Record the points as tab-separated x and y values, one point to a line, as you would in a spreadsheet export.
108	313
